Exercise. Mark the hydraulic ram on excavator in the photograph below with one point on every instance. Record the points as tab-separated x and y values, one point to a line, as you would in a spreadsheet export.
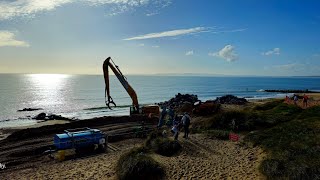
134	109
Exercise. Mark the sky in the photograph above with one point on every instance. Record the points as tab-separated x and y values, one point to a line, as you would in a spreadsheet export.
207	37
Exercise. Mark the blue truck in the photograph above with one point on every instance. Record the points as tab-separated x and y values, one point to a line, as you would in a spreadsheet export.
79	139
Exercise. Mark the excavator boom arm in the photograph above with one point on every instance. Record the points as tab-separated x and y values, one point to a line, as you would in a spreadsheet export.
109	63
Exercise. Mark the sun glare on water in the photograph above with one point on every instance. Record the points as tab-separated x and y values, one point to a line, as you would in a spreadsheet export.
48	88
48	80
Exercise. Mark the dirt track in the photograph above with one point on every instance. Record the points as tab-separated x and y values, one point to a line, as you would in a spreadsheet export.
25	148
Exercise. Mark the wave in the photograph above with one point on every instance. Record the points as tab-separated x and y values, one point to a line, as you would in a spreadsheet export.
261	90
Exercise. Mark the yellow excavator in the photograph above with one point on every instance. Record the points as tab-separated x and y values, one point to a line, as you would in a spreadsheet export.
150	110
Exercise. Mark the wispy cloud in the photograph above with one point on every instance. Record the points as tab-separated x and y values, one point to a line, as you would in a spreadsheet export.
189	53
171	33
291	66
156	46
24	8
158	5
29	8
180	32
152	14
141	45
275	51
227	53
7	38
229	31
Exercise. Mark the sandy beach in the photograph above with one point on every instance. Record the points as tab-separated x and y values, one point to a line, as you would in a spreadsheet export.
201	158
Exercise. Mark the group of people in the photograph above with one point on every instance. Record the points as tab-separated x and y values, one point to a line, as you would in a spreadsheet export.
176	122
295	98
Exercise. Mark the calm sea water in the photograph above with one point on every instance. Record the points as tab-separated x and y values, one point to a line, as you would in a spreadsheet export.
82	96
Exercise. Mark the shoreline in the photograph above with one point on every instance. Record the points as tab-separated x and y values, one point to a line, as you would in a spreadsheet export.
7	131
117	112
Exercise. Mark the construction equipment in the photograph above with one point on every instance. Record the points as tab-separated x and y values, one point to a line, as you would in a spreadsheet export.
135	108
205	108
79	139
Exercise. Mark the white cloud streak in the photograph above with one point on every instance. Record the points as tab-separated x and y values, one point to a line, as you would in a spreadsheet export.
152	14
180	32
275	51
227	53
29	8
189	53
7	38
171	33
229	31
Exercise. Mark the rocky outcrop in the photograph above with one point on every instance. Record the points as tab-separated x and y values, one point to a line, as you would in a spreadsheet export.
290	91
179	100
29	109
44	116
230	99
186	102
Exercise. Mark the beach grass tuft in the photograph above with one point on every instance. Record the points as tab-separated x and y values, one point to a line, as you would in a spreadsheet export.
162	145
218	134
136	164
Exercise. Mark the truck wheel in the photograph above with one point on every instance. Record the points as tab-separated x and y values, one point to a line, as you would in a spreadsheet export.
102	145
101	148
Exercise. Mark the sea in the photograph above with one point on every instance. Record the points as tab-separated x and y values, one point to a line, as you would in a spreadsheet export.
83	96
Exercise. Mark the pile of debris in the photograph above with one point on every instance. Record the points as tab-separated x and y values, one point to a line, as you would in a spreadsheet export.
179	100
230	99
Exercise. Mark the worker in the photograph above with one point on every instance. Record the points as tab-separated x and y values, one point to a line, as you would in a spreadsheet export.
162	116
176	127
175	131
295	99
305	100
186	122
171	116
287	99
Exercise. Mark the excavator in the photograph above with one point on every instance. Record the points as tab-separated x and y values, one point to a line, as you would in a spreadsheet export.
135	109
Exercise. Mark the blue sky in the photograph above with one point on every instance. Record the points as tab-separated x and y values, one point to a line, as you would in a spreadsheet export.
248	37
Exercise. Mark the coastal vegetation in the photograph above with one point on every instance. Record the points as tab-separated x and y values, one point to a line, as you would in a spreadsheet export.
162	145
136	164
288	133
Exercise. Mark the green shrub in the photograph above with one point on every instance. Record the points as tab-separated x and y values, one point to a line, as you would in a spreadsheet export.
311	112
218	134
293	147
268	105
137	165
223	120
272	168
163	146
